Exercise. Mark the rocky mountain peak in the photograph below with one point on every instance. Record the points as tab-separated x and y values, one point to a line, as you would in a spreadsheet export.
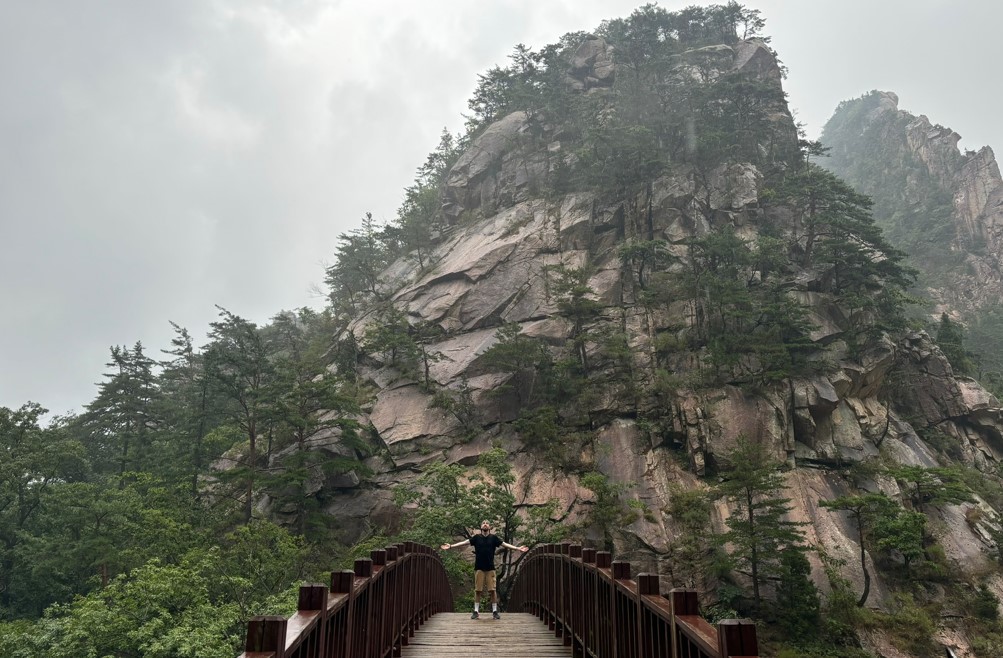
941	205
635	293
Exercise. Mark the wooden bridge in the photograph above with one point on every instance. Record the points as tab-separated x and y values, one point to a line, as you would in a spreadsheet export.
566	601
515	635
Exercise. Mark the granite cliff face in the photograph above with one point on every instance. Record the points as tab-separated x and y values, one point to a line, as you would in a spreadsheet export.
494	266
943	206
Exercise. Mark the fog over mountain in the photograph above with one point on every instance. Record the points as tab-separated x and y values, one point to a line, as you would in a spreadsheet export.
161	158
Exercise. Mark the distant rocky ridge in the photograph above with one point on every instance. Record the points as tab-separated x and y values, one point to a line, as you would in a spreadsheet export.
905	162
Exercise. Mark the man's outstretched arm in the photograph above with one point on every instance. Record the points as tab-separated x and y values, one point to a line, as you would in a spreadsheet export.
515	548
446	547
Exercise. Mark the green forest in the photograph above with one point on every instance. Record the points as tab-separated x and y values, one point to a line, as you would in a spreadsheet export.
195	490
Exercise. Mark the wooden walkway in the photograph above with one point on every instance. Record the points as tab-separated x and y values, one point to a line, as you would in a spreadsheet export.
515	635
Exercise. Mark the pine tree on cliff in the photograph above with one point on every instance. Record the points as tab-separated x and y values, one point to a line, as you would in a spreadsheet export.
306	407
883	525
121	420
861	510
189	410
238	366
835	233
951	339
758	530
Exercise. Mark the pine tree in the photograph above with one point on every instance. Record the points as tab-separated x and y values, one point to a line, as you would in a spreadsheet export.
238	367
419	218
798	603
527	359
354	280
392	336
315	432
122	420
933	486
836	233
951	339
758	531
188	408
691	549
576	302
884	525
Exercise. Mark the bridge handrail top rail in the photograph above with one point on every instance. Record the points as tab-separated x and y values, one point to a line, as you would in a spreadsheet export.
300	624
699	630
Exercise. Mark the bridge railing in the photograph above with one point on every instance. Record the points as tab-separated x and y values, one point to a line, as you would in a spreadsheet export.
602	612
369	612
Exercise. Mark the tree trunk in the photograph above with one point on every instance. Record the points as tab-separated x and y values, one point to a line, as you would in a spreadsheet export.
252	458
863	564
754	556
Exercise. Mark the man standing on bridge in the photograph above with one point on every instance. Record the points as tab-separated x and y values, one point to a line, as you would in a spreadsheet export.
485	545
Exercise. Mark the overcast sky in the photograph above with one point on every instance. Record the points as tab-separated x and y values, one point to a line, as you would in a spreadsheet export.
161	157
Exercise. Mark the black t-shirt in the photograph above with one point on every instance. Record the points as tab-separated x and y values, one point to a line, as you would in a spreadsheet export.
484	551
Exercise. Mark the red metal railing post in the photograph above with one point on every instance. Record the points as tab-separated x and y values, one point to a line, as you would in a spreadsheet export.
267	633
737	637
544	569
577	574
604	603
409	592
362	630
428	586
684	602
340	636
589	599
622	608
394	598
550	594
412	588
647	585
313	598
378	614
564	562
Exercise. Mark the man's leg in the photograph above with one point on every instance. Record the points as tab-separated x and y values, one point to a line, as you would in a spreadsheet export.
494	605
478	587
491	584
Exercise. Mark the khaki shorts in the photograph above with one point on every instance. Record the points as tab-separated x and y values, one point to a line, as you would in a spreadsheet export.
484	581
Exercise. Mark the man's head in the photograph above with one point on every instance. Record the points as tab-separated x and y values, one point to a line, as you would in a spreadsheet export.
485	527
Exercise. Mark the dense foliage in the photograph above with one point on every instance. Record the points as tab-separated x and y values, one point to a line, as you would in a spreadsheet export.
133	529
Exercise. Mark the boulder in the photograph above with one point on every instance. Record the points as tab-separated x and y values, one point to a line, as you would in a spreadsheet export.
472	184
734	186
716	421
488	276
932	393
592	65
753	57
402	415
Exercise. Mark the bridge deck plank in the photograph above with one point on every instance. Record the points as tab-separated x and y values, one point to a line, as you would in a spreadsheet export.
515	635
